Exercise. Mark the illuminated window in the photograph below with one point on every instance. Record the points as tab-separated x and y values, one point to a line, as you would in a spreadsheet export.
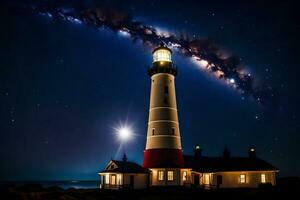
119	179
160	175
206	179
113	179
243	178
184	176
170	175
263	178
162	55
107	179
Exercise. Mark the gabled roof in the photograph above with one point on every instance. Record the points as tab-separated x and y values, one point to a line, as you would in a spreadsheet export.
221	164
124	167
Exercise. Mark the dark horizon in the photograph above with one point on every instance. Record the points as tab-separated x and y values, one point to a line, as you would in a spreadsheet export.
65	87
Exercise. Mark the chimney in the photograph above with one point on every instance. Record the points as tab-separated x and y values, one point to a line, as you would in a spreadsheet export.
226	153
252	153
197	151
124	158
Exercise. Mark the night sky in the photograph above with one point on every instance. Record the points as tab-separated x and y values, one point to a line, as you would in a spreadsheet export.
65	87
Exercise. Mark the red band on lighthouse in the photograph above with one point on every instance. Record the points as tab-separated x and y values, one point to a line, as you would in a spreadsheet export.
154	158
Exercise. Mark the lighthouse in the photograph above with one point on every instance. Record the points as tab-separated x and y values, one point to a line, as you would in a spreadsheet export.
163	153
164	163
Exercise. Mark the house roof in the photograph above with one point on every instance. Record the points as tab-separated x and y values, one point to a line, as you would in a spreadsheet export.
125	167
221	164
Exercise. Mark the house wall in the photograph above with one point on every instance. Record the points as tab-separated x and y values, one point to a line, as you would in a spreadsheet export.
232	179
178	174
140	180
123	180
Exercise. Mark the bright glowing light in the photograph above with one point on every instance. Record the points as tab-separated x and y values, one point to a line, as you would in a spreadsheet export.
263	178
124	133
162	55
232	80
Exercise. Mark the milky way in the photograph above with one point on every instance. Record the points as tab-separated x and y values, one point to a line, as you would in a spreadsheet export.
204	52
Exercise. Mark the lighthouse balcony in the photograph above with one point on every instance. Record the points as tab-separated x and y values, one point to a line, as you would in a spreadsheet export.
165	67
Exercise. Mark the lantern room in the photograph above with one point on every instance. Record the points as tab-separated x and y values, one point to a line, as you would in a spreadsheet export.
162	54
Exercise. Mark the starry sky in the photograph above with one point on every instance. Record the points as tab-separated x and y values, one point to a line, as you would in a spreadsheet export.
65	87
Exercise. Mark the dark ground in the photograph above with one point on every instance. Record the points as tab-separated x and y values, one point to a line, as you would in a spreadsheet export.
287	188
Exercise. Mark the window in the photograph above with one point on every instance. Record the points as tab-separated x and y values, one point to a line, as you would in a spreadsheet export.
119	179
206	179
184	176
113	179
153	131
243	178
162	55
107	179
160	175
173	131
166	89
166	100
263	178
170	175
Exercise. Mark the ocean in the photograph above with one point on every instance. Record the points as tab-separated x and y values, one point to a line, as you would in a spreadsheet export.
62	184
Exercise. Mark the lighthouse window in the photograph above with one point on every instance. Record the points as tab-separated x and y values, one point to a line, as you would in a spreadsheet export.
153	131
166	89
166	100
170	175
162	55
173	131
160	175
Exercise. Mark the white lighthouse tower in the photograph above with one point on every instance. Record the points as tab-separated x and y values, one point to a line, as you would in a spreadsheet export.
163	152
